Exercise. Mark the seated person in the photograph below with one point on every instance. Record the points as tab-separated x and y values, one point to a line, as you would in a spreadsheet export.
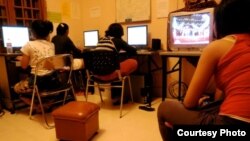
114	36
63	44
227	59
32	52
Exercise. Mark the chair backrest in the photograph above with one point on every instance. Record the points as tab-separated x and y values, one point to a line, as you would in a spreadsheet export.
57	67
101	62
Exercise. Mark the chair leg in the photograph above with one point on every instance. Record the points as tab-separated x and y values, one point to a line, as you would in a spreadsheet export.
65	97
130	89
122	96
86	90
100	93
73	91
81	80
49	126
32	101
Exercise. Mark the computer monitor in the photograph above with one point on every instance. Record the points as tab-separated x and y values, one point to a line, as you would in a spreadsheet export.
17	35
90	38
190	30
137	36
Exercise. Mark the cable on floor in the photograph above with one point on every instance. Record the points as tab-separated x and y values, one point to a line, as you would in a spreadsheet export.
173	88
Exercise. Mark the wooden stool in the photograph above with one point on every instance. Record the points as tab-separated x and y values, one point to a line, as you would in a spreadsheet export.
76	121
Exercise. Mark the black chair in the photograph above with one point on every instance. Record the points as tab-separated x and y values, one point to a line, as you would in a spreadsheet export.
101	62
60	67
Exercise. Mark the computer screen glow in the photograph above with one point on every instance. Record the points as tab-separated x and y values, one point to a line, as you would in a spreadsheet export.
18	36
91	38
137	35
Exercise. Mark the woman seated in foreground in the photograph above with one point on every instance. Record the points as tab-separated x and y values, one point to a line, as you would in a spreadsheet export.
227	59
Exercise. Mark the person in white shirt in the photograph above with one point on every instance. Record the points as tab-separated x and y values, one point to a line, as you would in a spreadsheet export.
32	52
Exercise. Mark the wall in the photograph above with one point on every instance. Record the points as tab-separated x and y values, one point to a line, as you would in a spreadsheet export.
66	10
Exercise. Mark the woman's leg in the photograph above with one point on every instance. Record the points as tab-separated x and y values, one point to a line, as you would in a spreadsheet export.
171	112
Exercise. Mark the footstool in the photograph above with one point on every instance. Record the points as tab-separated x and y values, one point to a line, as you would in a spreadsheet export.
76	121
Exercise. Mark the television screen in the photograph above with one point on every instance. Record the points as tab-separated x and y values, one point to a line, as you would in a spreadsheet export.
90	38
191	30
17	35
137	36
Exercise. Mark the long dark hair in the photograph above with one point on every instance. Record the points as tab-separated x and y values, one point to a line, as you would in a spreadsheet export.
232	17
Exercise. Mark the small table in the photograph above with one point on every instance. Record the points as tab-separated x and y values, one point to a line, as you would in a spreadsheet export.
177	54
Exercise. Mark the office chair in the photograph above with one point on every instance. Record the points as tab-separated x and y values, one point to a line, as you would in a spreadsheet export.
60	67
100	63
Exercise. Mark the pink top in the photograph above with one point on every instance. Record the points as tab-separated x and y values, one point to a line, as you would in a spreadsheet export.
233	78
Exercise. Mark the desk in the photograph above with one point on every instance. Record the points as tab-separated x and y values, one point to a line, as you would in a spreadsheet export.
164	56
150	60
146	66
148	93
9	75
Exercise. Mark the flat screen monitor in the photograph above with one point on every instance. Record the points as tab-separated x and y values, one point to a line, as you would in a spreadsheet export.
191	30
137	36
17	35
90	38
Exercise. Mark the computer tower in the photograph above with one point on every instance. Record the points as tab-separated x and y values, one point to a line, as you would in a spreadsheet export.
137	82
138	88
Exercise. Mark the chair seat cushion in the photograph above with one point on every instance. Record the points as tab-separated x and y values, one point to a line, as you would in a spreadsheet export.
126	67
78	111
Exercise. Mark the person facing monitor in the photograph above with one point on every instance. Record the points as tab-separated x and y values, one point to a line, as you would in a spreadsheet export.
113	39
32	52
63	44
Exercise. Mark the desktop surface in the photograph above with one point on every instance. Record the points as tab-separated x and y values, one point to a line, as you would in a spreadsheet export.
180	53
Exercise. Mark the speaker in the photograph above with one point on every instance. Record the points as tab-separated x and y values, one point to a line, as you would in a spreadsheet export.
156	44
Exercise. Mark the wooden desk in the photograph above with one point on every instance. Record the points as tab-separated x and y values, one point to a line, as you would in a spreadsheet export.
164	56
9	75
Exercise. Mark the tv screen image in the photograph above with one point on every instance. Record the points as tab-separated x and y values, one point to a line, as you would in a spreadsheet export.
90	38
137	36
192	29
17	35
